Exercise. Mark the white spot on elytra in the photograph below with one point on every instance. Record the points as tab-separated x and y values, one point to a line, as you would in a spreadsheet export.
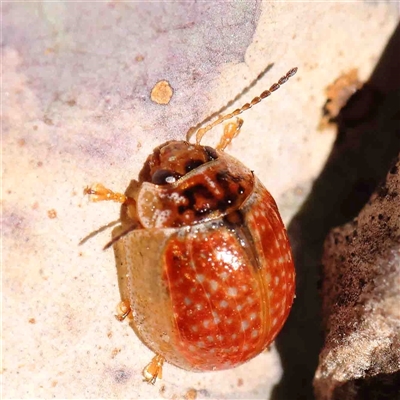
232	291
223	275
217	320
239	307
213	285
244	325
210	338
253	316
254	334
187	301
274	321
199	306
234	336
194	328
200	278
206	323
192	348
223	304
264	214
276	280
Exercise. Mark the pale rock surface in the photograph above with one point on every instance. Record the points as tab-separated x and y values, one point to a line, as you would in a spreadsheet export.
76	85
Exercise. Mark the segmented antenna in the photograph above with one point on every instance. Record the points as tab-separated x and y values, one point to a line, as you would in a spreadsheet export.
202	131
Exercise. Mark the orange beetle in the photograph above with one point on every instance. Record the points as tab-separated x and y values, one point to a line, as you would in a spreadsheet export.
205	265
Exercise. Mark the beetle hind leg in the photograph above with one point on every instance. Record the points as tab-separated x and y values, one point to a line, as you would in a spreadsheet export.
153	370
123	310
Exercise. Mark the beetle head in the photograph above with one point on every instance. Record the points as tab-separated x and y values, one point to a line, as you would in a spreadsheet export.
174	159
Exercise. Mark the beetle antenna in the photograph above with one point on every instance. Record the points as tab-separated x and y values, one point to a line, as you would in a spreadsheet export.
202	131
97	231
120	235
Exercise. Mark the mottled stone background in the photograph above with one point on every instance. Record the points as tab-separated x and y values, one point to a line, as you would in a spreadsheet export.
76	107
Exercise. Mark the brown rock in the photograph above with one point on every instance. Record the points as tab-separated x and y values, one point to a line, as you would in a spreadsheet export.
361	302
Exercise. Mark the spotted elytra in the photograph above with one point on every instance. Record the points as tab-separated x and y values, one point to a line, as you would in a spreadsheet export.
206	271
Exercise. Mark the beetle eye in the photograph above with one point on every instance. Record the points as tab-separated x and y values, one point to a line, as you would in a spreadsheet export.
192	164
211	153
164	176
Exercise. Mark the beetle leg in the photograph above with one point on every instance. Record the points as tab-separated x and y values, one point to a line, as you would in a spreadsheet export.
123	310
98	192
153	370
231	130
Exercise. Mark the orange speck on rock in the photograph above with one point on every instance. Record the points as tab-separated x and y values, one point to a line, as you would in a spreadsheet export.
115	352
52	213
162	92
191	394
337	95
32	320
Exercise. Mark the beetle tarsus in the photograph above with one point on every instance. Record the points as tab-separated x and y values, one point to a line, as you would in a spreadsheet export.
123	310
153	370
98	192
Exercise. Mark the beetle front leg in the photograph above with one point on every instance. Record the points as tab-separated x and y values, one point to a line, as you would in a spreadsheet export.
98	192
153	370
231	130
